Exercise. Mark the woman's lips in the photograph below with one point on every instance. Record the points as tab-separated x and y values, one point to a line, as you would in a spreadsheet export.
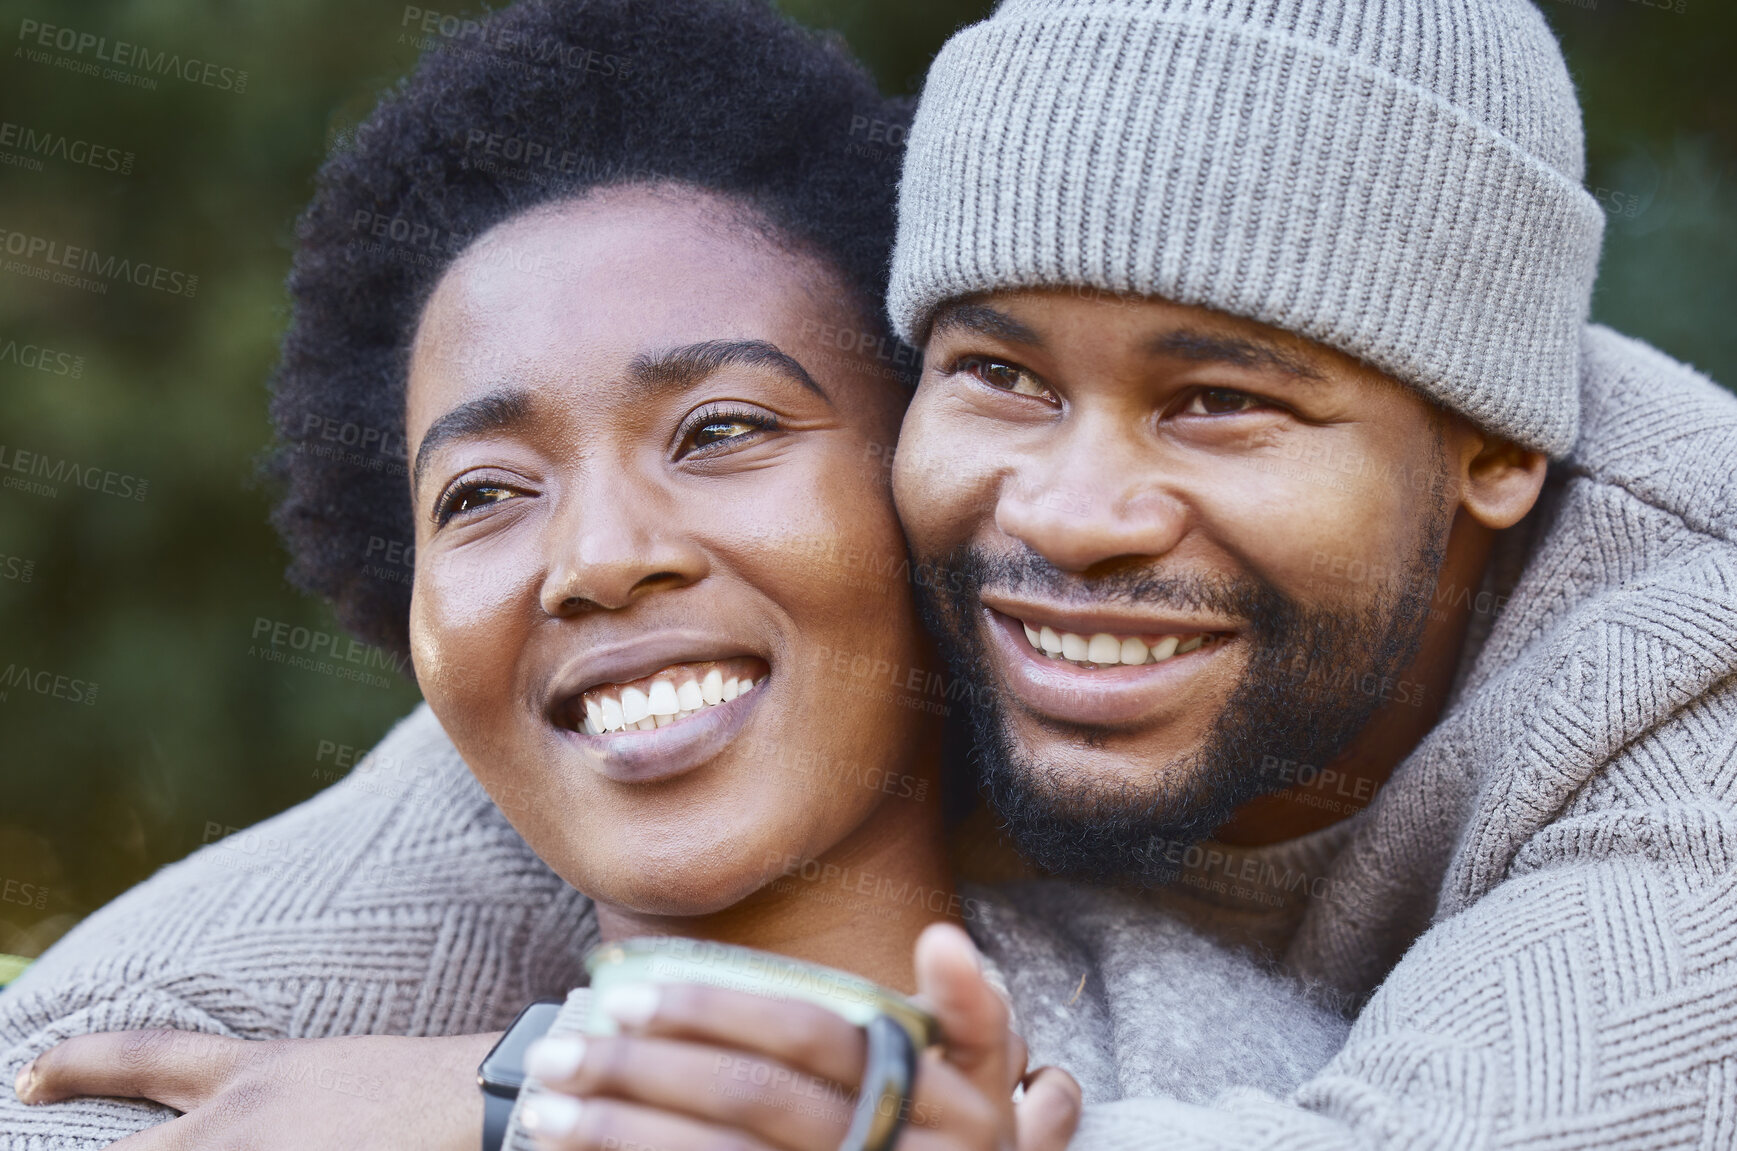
692	711
1072	687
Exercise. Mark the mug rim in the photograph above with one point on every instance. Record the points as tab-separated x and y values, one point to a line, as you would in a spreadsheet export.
751	964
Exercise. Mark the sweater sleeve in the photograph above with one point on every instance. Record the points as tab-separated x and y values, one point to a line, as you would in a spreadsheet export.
1592	1004
35	1021
396	902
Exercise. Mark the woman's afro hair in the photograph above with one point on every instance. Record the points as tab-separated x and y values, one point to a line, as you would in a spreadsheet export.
539	102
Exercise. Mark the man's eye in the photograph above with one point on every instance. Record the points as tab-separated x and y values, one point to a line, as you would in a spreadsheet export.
469	497
1221	402
1005	377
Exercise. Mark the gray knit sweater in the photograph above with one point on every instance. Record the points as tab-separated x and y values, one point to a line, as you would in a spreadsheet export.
1542	901
400	901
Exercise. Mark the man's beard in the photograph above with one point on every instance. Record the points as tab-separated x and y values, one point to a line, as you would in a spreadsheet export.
1313	679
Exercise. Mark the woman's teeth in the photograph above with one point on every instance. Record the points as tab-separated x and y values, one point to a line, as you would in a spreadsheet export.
1106	650
659	700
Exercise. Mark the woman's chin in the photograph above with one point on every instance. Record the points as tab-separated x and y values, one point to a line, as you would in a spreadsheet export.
679	894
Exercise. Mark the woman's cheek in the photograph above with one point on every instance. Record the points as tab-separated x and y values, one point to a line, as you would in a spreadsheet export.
856	631
464	637
843	562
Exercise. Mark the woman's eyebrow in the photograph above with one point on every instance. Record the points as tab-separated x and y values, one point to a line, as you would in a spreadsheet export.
688	365
503	410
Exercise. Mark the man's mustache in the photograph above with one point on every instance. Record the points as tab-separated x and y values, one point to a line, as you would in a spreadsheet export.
1025	574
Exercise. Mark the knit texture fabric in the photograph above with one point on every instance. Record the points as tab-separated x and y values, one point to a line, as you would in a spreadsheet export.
401	902
1397	179
396	902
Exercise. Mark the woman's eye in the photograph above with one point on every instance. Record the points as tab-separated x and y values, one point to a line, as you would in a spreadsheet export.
1006	377
1221	402
469	498
709	429
717	431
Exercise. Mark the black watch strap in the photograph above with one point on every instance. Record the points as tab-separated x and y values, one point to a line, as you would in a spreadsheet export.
502	1072
497	1110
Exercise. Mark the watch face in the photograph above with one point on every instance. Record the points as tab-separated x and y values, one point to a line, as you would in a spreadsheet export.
503	1071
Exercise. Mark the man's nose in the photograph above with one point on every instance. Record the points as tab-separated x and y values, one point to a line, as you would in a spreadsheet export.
1088	496
616	540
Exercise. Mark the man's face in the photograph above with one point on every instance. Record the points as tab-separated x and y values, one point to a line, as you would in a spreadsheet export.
1133	523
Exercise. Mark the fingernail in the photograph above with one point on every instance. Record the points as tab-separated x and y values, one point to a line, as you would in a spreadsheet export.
551	1115
555	1058
25	1082
632	1004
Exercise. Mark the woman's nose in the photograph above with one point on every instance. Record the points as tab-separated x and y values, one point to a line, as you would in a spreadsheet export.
616	542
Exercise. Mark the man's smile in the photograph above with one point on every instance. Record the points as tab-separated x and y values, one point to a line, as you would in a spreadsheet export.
1104	649
1101	669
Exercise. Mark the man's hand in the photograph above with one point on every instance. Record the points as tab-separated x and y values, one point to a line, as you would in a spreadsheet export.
355	1093
981	1046
701	1067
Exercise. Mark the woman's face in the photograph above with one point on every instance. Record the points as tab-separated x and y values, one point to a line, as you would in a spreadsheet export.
660	603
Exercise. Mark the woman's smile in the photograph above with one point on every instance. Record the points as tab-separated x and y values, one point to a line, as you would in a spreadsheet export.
634	727
667	745
664	698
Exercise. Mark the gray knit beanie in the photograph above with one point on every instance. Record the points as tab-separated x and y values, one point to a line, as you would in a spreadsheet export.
1398	179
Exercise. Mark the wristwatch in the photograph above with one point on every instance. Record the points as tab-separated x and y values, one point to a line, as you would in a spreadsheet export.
502	1072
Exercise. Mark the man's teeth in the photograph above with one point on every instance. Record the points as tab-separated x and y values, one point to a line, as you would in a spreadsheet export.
1106	650
668	697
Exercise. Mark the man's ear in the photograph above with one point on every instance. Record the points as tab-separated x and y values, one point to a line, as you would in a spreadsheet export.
1500	479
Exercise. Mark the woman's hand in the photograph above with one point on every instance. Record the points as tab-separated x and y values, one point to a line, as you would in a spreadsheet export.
355	1093
701	1067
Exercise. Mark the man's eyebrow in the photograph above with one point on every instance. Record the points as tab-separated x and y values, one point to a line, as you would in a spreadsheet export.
503	410
688	365
985	321
1207	347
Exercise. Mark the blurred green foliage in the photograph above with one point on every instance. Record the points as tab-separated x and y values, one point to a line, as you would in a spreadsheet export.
156	600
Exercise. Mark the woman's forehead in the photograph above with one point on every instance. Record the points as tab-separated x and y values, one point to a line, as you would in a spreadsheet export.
570	298
619	270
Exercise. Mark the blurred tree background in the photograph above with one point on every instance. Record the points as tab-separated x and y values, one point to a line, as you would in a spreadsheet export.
156	600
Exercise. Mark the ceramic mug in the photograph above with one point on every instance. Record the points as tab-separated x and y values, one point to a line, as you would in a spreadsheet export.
897	1028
